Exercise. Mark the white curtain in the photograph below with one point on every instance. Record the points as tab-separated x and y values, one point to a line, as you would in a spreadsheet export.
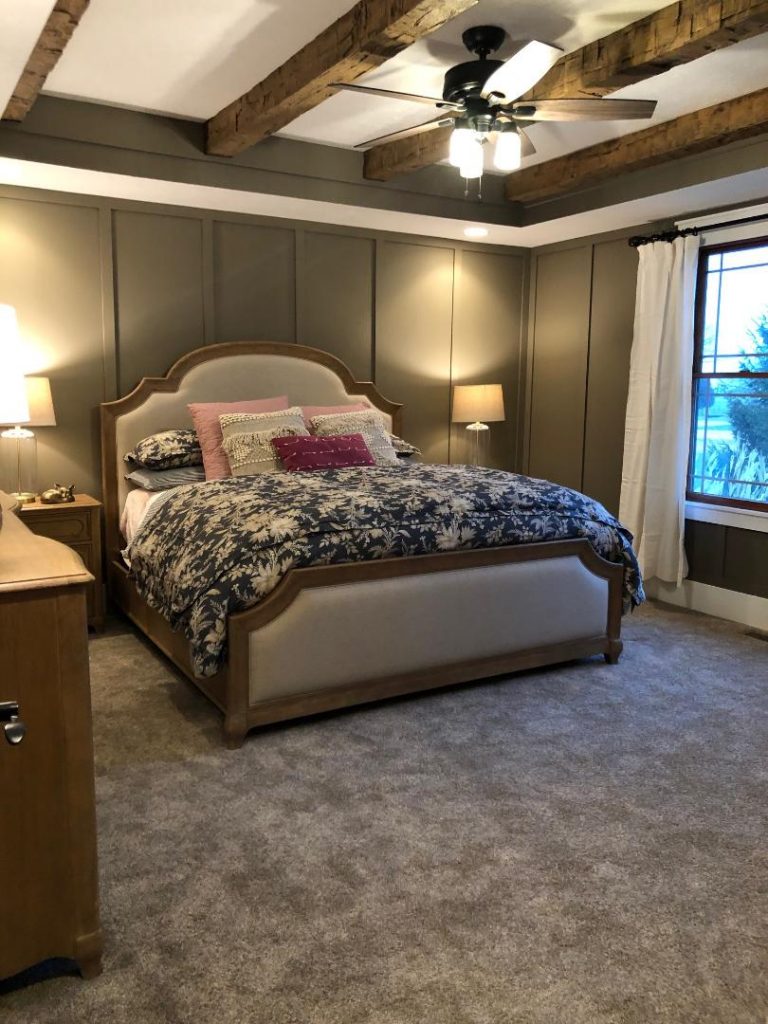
658	424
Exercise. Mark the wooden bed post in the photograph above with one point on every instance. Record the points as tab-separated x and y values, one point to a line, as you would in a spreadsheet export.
237	688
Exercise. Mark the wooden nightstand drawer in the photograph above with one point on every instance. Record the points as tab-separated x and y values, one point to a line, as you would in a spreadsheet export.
68	527
78	525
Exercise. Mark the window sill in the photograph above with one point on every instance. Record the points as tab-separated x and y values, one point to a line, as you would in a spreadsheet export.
722	515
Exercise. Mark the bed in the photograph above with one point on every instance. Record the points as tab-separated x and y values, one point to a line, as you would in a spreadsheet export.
334	635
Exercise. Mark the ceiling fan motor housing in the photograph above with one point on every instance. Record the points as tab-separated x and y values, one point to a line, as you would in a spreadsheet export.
468	79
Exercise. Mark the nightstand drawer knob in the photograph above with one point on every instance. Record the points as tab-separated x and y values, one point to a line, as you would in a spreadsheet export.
14	729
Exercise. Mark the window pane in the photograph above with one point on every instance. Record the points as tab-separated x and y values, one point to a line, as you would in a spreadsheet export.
736	307
715	261
730	439
745	257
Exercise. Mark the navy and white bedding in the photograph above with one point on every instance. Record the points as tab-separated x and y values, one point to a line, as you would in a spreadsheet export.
206	550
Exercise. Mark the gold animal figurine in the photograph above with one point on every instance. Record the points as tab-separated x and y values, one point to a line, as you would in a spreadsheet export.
58	495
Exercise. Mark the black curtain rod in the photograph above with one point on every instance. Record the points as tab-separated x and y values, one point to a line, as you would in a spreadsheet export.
670	236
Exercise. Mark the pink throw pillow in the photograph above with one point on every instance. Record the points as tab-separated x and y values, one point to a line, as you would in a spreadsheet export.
308	411
205	417
303	454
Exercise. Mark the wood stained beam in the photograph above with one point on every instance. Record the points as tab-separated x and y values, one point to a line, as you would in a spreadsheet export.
57	31
359	41
676	34
710	128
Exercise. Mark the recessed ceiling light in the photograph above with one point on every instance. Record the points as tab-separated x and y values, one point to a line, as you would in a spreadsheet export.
476	232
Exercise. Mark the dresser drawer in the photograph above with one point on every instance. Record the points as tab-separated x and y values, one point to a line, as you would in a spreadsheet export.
68	527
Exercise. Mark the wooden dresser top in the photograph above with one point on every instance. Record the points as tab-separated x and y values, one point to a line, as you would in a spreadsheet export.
28	562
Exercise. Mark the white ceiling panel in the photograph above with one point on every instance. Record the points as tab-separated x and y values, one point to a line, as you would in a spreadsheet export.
188	58
21	22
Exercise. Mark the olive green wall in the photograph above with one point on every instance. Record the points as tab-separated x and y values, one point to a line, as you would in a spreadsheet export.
582	299
108	292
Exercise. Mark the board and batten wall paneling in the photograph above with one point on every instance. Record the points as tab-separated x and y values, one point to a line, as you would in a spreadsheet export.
110	291
599	280
488	312
50	271
559	364
336	298
610	343
158	261
414	314
254	270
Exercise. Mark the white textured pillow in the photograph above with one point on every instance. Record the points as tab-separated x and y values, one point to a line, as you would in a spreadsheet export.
369	424
247	438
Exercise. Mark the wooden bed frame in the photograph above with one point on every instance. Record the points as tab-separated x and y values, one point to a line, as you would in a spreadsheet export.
468	609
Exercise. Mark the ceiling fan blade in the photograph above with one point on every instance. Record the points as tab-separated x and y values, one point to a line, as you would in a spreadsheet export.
583	110
426	126
527	148
522	71
391	94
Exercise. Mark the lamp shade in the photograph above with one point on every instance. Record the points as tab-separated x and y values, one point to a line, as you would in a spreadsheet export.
40	403
478	403
13	398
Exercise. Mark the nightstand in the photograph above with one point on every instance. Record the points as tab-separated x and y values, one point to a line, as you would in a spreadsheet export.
78	525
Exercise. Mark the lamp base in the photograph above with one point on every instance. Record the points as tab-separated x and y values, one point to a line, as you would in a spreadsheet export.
476	429
18	464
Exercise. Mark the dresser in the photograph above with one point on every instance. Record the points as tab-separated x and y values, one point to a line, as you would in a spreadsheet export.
48	864
78	525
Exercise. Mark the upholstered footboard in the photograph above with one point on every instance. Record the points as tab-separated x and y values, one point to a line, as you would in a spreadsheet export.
339	635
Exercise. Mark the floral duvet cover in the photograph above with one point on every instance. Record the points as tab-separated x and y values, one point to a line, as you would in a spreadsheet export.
206	550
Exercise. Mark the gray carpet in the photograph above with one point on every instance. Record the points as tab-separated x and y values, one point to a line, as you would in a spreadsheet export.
579	846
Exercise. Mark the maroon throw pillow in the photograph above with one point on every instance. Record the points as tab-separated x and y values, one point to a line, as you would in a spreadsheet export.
304	454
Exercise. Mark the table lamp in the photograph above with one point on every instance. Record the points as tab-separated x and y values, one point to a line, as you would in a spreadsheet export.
477	405
23	400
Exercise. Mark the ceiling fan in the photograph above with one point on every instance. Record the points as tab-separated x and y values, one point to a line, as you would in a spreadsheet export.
481	99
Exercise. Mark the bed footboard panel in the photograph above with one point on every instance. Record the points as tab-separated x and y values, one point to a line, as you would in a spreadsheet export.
409	631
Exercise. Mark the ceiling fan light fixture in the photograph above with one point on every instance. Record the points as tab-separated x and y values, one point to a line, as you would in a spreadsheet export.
473	162
462	141
508	152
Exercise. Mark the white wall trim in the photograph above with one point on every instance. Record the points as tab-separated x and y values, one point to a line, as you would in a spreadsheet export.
725	515
722	604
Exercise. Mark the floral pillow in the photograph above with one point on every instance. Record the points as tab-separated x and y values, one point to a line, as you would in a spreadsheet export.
169	449
247	438
369	424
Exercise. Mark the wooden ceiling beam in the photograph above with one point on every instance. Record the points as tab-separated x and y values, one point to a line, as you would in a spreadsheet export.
676	34
742	118
359	41
57	31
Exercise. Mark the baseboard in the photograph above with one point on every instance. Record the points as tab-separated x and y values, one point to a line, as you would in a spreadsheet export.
723	604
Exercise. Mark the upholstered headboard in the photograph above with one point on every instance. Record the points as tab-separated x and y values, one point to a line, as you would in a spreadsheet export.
220	373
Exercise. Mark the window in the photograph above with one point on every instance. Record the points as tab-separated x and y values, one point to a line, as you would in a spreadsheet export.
729	435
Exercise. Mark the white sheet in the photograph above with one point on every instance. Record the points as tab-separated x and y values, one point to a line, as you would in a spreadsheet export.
136	507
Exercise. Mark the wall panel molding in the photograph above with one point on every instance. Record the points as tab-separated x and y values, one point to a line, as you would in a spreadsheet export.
152	281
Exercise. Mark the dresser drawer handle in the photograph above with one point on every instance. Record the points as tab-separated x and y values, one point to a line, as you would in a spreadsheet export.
14	729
